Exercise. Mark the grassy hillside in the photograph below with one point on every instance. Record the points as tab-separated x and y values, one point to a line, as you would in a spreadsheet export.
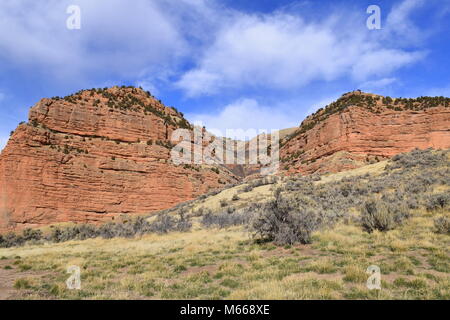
275	238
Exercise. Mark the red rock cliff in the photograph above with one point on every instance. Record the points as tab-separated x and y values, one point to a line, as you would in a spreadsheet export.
360	128
95	155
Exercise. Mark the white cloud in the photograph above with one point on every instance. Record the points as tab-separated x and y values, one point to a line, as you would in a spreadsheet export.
2	96
249	113
144	39
117	38
283	51
398	22
383	62
377	84
246	114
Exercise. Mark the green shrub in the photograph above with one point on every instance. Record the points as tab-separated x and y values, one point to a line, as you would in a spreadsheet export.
22	284
381	215
442	225
223	203
11	240
417	158
285	222
437	201
32	234
225	219
216	170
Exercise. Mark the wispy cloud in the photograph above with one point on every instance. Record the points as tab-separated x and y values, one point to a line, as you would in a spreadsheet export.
400	24
377	84
285	51
116	39
280	50
246	114
251	113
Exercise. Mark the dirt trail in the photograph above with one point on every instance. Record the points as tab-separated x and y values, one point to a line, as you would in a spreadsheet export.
9	273
7	279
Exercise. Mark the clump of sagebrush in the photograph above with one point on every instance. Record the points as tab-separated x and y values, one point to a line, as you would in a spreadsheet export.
163	223
32	234
442	225
223	203
77	232
263	181
12	239
284	222
384	200
417	157
303	205
382	215
209	194
225	219
437	201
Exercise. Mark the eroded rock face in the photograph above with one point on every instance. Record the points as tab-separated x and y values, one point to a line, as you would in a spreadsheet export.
98	154
93	156
364	130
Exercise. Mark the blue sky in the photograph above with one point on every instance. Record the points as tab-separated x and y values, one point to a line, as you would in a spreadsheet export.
230	64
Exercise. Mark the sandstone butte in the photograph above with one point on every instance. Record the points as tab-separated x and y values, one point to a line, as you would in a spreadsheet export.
102	153
361	128
96	155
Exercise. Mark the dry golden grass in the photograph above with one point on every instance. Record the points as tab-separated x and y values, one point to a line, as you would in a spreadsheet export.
227	263
373	169
258	194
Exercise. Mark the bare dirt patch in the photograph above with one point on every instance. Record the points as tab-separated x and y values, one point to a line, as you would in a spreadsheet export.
9	273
